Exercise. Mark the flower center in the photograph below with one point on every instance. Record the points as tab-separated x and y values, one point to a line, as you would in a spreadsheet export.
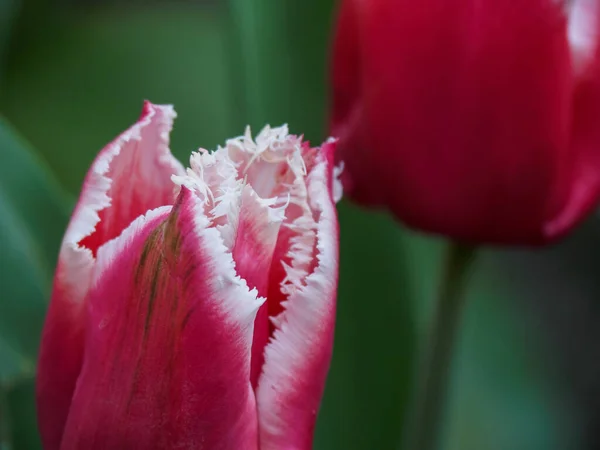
274	166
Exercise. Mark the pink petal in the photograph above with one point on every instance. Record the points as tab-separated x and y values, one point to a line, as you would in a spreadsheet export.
248	220
256	236
297	359
138	168
131	175
169	332
61	354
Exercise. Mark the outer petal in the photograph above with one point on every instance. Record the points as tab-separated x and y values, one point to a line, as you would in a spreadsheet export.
297	359
463	115
345	70
347	118
169	332
579	187
130	176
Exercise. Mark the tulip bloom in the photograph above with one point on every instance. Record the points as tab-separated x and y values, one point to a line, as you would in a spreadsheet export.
476	119
193	309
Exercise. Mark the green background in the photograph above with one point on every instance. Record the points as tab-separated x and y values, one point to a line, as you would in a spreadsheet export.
73	74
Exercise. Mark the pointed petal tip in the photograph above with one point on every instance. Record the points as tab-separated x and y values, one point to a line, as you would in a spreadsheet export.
149	109
61	349
107	181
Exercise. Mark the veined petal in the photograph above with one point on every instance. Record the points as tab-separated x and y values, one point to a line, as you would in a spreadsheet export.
130	176
169	333
297	359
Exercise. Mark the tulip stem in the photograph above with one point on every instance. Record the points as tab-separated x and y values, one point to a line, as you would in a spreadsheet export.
5	437
437	356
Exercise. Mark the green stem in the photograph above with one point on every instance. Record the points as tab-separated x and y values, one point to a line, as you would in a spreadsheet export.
435	369
5	438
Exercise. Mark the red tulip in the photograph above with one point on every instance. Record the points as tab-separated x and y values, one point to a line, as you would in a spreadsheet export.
158	332
475	119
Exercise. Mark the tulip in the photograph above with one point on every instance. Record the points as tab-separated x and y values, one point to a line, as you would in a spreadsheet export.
193	309
475	119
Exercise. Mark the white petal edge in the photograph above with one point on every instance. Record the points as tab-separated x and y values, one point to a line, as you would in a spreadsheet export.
109	250
306	310
239	303
76	263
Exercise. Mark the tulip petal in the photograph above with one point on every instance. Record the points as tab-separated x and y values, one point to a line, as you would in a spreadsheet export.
348	120
581	179
256	235
130	176
345	70
169	333
248	221
458	127
297	359
61	354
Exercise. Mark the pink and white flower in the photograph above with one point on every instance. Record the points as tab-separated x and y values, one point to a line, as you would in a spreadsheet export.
193	309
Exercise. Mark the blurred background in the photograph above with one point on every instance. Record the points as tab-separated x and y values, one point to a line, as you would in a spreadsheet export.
74	73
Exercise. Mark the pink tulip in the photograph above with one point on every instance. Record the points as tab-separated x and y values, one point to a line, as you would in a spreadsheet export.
193	309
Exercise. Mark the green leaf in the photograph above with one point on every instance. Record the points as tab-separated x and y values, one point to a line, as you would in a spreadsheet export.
33	216
20	403
5	434
283	47
500	395
368	386
8	12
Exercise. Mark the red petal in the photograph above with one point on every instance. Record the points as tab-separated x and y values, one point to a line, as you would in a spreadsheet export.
297	359
167	356
130	176
348	120
345	70
579	188
462	116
